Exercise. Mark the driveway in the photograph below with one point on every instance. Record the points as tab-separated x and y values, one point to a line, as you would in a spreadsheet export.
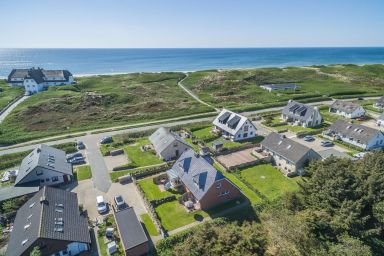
10	108
315	145
87	193
100	175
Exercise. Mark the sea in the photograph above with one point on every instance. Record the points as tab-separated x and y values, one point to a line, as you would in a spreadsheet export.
83	62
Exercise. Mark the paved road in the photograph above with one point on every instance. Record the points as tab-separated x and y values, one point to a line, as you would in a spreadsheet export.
100	175
10	108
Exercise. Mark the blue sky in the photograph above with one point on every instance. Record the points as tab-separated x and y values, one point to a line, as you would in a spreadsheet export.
193	23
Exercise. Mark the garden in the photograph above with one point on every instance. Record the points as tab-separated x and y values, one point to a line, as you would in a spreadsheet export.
82	172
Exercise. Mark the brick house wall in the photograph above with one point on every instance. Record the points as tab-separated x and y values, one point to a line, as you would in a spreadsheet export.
141	249
217	194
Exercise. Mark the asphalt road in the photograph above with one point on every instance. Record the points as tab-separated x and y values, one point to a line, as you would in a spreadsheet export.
100	176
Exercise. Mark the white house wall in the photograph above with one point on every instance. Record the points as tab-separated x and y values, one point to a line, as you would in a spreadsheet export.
250	132
169	153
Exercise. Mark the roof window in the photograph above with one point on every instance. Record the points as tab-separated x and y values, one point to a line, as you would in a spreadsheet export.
24	241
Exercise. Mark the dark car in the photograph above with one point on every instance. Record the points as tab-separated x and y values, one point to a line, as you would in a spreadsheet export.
327	143
77	160
71	156
309	138
106	140
80	145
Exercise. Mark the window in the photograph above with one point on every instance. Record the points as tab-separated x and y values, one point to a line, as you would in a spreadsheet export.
47	179
245	135
55	178
39	172
251	133
238	136
42	180
246	128
218	185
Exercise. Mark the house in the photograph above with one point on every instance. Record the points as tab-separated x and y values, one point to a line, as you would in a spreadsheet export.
45	165
356	134
167	144
37	79
50	220
288	155
132	236
379	103
301	114
204	185
234	126
380	120
346	109
276	87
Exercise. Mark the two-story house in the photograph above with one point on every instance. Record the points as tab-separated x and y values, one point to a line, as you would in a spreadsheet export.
234	126
301	114
358	135
288	155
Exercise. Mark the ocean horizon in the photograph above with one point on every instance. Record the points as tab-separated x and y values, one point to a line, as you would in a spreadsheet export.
96	61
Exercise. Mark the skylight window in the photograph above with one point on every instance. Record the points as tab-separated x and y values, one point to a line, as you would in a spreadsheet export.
32	204
27	226
24	241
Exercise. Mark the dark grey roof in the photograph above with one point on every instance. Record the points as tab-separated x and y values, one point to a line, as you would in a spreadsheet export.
49	158
360	133
131	231
281	86
285	147
13	192
333	152
18	73
52	214
345	106
298	111
40	75
163	137
197	174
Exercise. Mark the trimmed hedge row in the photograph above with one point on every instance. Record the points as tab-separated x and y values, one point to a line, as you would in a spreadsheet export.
140	172
163	200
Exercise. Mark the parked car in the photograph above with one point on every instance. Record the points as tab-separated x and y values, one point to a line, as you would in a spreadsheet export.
309	138
361	118
101	205
326	143
106	140
77	160
80	145
119	201
71	156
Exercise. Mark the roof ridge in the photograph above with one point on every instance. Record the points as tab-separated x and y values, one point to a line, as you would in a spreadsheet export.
41	213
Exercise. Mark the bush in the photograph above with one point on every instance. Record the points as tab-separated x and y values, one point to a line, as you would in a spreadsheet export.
163	200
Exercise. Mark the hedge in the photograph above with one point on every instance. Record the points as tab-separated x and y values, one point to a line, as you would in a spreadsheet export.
139	172
163	200
165	246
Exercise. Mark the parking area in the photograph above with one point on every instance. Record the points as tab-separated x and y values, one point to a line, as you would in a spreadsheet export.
315	144
115	161
238	158
372	124
87	194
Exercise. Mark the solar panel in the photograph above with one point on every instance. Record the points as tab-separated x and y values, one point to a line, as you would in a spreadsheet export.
234	122
293	108
224	117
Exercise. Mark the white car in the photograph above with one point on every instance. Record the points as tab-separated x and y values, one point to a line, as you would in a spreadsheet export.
101	205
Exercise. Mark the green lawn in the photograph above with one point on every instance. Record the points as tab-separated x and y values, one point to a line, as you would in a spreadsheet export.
204	132
235	144
246	191
83	172
151	190
151	228
139	158
173	215
268	180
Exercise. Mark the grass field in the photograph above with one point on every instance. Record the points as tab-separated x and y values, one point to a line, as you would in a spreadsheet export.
151	190
239	88
83	172
8	94
269	181
98	102
173	215
148	223
253	198
139	158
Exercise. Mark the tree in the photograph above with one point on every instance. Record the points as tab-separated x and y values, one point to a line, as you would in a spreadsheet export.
228	239
36	251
